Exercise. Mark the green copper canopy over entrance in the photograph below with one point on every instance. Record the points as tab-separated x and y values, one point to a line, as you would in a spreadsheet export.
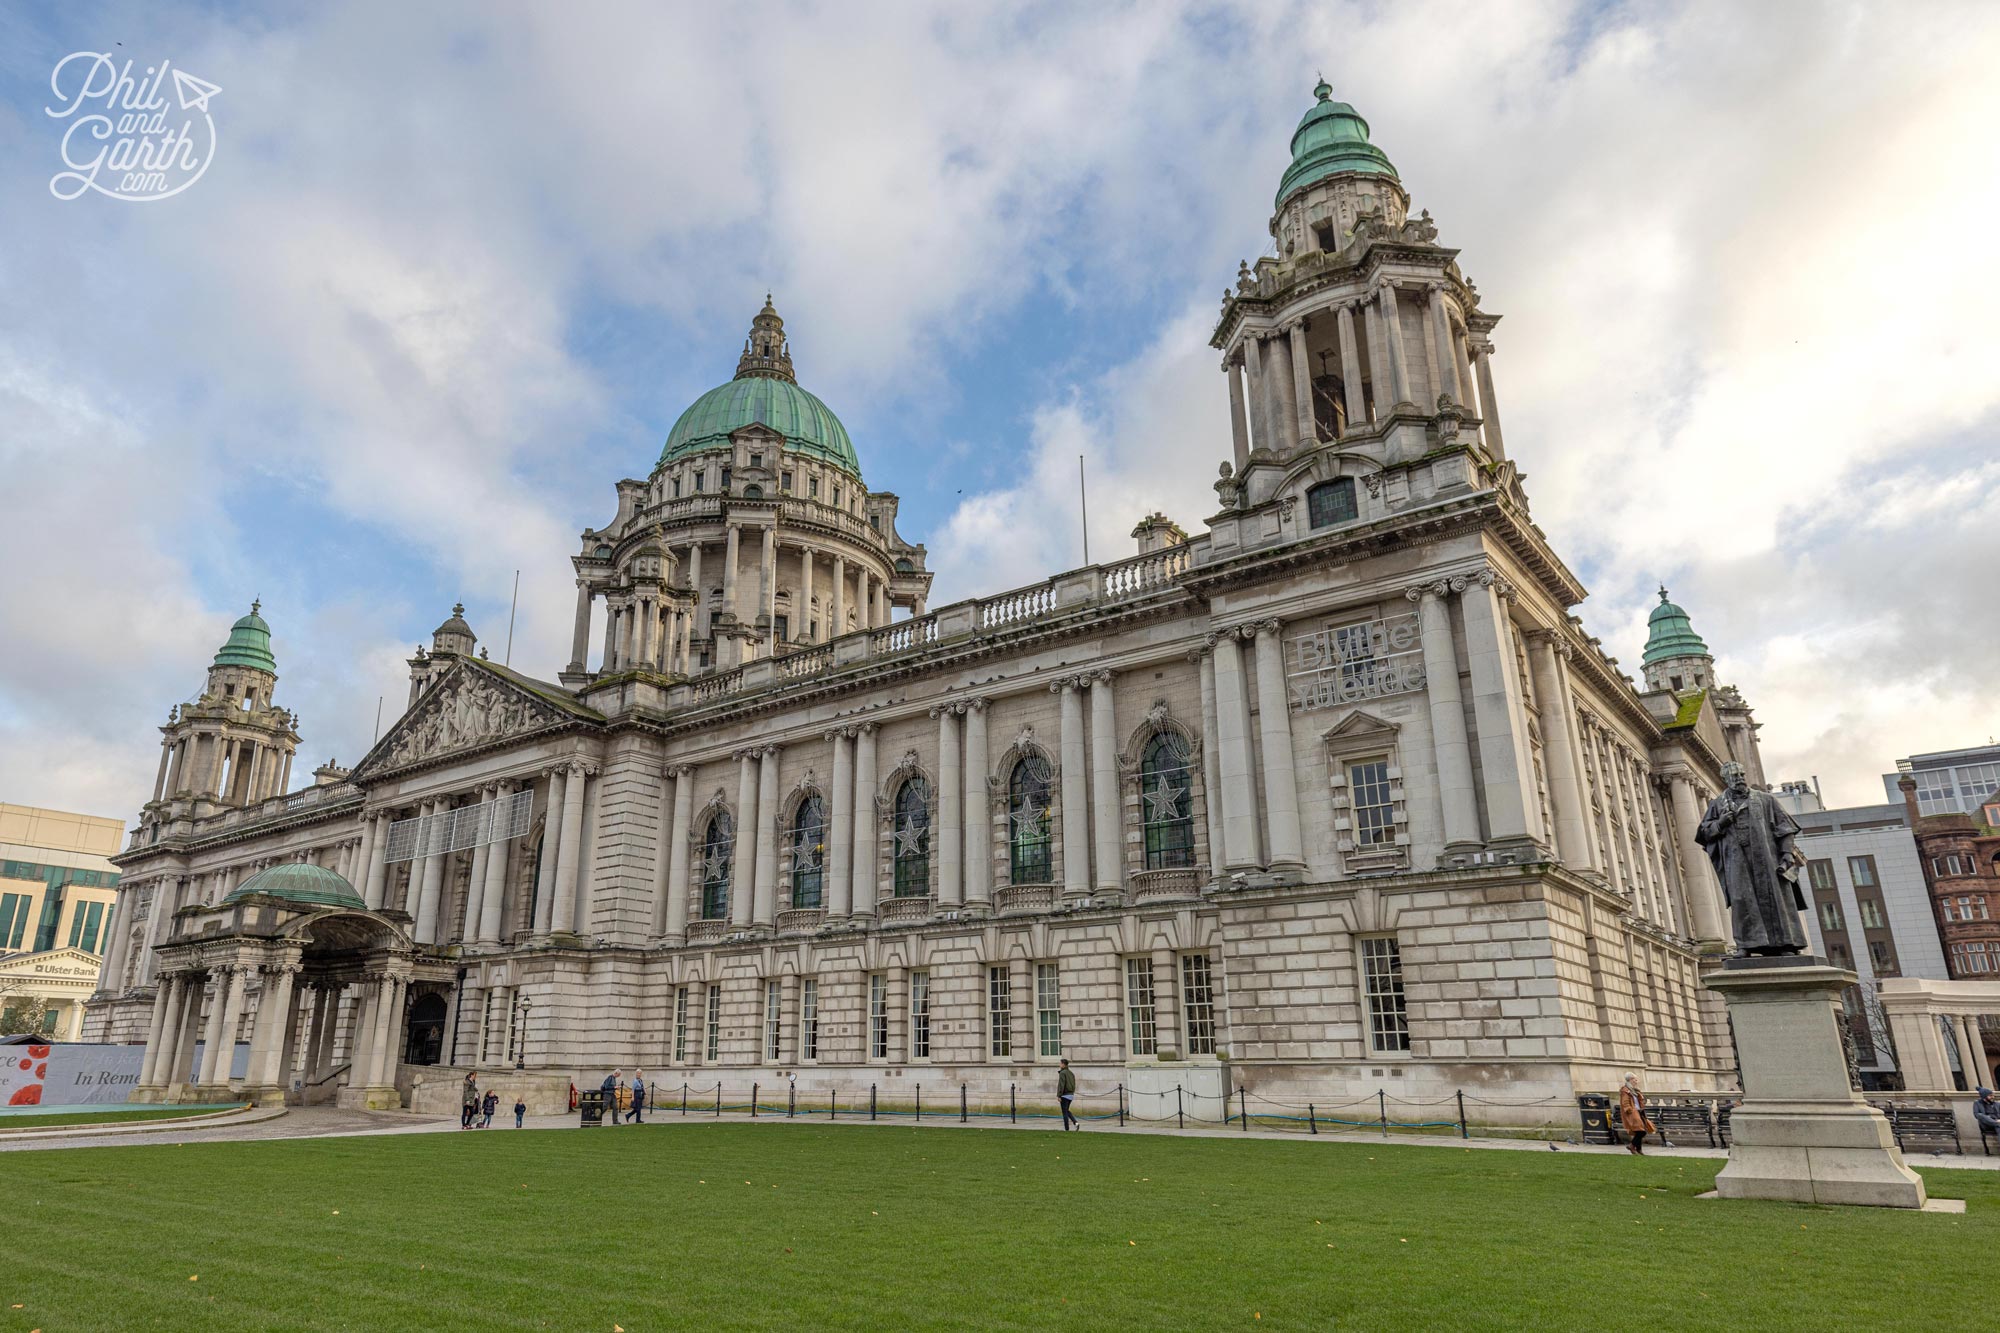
296	881
1331	138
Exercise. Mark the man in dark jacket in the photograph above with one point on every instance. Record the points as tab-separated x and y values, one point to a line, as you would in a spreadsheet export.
1987	1112
610	1090
638	1097
468	1101
1066	1093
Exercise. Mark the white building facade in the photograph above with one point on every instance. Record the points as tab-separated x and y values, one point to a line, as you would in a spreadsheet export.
1336	795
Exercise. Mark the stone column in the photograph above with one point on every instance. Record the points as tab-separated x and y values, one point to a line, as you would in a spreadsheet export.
1350	367
1968	1059
285	776
866	821
475	882
570	853
767	837
493	897
1302	386
318	1034
802	605
700	593
1461	366
156	1026
840	830
1392	334
1982	1073
1489	411
629	618
160	781
1498	711
263	1028
1105	823
382	1034
1704	901
1281	411
839	597
1211	765
1239	421
1167	1028
741	899
978	810
579	639
1447	364
211	1037
1450	747
1075	794
1565	784
1239	783
767	593
431	891
1274	730
731	550
679	833
948	833
163	1065
864	601
545	875
274	1017
159	921
116	940
1260	423
178	753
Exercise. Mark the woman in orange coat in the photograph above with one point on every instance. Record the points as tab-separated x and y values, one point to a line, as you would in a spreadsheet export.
1632	1115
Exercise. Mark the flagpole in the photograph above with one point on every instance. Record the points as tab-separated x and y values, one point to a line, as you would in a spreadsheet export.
1083	506
508	659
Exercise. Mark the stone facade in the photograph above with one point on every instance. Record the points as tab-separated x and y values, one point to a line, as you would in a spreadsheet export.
1336	793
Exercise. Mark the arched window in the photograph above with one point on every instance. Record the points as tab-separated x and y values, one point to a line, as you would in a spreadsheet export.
906	567
1029	810
809	852
1332	502
913	838
1166	786
718	853
753	492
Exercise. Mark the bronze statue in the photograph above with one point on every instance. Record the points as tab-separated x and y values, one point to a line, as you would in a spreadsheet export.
1748	837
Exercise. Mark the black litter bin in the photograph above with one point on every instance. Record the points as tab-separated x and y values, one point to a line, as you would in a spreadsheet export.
590	1107
1595	1111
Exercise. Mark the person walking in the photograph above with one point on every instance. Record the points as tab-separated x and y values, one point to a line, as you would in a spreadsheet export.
638	1097
487	1108
609	1089
520	1112
1632	1116
468	1101
1065	1094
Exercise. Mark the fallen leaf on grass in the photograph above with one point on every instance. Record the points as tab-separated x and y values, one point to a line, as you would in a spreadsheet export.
194	1277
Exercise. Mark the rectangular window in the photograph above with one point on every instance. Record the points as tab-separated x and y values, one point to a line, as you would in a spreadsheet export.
1198	1003
999	1012
1048	1008
809	1019
1368	794
713	1017
83	926
698	477
1141	1017
14	908
1861	869
1871	914
677	488
1878	953
785	482
812	487
1382	983
875	522
1830	917
1979	908
920	1015
45	929
781	627
773	1020
727	473
878	1016
1821	874
756	460
836	497
680	1025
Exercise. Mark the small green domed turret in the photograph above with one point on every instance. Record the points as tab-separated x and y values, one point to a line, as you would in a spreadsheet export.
1331	138
249	644
1669	633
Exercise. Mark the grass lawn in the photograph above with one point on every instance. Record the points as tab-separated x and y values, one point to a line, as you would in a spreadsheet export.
99	1115
802	1227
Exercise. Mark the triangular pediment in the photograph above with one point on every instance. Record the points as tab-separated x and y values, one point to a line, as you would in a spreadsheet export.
54	965
475	705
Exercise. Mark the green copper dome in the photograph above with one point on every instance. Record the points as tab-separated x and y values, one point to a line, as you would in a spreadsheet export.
763	393
1669	634
295	881
1331	138
249	644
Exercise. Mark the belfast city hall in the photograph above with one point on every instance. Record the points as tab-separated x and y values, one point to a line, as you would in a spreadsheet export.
1327	794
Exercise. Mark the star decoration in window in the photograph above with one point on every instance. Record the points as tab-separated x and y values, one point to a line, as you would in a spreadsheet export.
1027	817
1163	802
910	839
716	867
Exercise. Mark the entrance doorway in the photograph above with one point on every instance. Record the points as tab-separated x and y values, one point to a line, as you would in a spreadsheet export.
426	1042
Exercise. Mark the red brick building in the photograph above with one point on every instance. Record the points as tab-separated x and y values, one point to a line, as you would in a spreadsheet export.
1961	861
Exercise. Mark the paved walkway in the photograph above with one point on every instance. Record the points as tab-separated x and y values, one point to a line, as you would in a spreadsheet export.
330	1122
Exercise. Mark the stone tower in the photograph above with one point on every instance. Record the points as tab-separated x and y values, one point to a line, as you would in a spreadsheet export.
231	745
453	639
1676	658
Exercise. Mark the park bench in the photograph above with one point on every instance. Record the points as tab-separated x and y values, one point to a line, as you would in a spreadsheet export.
1987	1136
1924	1128
1685	1125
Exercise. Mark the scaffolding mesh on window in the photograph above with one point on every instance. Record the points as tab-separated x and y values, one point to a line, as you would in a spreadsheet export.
460	829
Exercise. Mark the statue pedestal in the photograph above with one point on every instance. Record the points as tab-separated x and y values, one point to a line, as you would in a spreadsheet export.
1802	1133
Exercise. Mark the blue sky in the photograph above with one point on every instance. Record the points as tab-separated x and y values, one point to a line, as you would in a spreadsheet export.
456	269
